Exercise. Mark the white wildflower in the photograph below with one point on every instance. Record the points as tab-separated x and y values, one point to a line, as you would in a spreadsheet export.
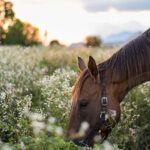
3	95
22	145
52	120
84	127
50	128
6	147
107	146
59	131
36	116
37	124
97	138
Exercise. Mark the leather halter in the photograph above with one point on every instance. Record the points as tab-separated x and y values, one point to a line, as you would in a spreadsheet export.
103	98
104	120
104	105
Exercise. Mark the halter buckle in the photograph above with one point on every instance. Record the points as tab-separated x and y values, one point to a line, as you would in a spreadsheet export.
103	115
104	101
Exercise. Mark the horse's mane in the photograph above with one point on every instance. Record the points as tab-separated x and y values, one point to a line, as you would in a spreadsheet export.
130	60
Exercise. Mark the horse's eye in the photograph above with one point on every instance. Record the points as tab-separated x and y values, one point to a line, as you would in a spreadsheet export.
83	104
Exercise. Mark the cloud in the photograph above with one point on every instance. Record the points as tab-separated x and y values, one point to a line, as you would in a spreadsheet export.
124	5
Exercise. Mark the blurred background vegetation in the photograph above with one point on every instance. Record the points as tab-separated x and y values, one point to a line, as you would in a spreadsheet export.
36	85
35	90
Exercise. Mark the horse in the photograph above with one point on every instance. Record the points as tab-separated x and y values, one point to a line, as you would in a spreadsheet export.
99	90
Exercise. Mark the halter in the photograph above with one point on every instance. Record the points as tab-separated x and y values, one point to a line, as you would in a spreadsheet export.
104	105
104	114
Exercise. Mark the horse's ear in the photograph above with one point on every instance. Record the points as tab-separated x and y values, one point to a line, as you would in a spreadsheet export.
92	67
81	64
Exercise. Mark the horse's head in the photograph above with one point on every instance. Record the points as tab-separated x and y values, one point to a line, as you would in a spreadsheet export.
95	109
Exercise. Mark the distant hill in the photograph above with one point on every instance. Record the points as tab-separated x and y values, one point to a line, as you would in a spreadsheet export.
77	45
120	38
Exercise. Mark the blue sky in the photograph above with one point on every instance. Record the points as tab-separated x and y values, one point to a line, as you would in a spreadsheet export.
122	5
72	20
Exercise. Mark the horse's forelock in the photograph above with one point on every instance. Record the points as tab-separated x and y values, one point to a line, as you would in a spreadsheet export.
79	83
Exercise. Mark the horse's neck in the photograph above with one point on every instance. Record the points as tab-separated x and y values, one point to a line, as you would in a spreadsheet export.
134	81
139	79
143	75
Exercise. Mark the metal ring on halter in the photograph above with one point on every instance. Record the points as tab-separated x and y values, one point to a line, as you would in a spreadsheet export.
104	101
102	115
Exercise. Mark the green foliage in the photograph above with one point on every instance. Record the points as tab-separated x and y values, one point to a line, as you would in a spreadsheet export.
2	35
7	15
35	89
133	130
21	33
16	84
13	31
14	35
56	92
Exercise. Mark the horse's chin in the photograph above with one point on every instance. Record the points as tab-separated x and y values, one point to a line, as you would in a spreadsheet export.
83	143
86	141
90	142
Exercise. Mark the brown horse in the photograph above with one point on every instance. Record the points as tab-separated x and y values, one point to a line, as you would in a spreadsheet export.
100	89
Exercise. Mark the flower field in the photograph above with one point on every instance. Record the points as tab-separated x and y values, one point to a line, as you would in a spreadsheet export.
35	90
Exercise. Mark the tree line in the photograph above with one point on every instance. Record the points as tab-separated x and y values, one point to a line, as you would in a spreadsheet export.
14	31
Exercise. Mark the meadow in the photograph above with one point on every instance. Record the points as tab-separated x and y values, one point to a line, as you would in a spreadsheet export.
35	91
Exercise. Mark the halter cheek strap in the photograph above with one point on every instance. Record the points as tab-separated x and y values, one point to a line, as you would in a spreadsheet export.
104	114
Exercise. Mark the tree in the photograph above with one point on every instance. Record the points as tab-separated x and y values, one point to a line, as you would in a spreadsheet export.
55	43
93	41
31	34
7	16
13	30
14	34
22	33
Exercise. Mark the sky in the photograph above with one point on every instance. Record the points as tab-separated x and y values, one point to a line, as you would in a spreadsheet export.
71	21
